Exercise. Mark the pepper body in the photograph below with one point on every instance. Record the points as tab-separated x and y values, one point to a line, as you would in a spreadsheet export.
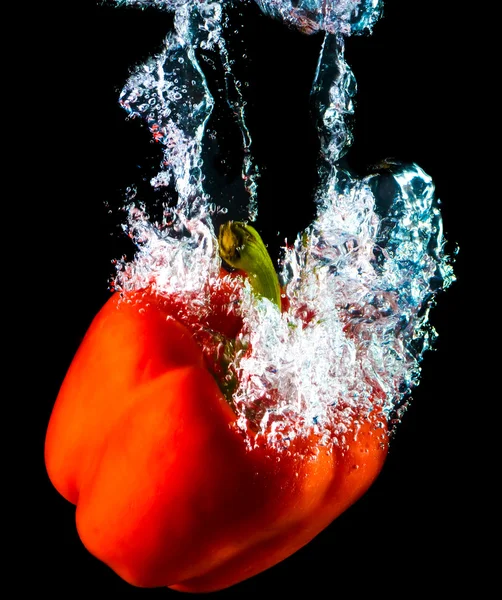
168	493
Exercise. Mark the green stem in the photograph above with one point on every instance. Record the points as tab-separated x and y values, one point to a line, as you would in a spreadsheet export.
241	247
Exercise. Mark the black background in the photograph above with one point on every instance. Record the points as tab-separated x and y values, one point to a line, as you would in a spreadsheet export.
412	530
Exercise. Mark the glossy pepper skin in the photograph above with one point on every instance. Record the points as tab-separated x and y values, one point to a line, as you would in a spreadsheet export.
166	489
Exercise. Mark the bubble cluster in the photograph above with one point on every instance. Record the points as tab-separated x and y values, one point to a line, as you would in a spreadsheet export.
359	282
334	16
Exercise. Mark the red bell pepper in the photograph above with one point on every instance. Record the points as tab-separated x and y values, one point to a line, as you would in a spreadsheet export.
142	440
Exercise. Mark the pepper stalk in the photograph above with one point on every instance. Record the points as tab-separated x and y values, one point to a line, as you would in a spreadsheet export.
241	246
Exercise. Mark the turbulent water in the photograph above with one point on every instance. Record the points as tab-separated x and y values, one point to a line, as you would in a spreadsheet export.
360	280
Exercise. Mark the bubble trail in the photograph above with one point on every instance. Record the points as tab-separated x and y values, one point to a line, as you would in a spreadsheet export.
360	280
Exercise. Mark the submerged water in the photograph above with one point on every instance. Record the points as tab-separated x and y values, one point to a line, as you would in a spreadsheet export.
359	281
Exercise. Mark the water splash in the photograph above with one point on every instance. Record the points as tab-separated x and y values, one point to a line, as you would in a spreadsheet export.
336	16
359	282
